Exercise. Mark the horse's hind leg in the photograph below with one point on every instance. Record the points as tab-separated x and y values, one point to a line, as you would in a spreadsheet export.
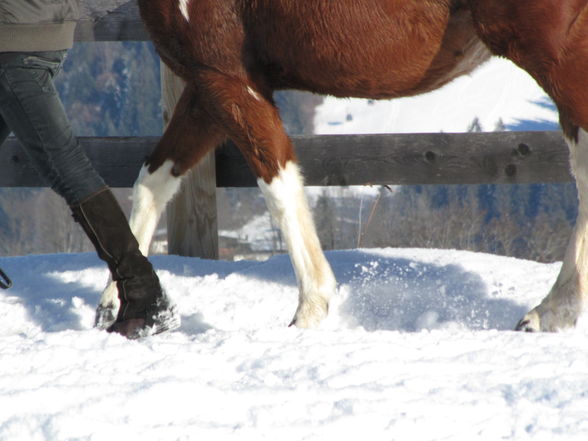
189	136
565	302
568	86
251	120
549	40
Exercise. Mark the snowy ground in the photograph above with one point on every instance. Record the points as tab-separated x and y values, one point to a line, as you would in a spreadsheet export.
417	347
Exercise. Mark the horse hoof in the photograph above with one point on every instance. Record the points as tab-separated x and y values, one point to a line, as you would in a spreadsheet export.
525	326
105	316
529	323
310	316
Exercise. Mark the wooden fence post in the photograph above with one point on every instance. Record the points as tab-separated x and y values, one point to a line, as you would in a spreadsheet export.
192	228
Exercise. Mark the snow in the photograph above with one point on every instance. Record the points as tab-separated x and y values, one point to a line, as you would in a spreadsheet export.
259	231
417	347
497	91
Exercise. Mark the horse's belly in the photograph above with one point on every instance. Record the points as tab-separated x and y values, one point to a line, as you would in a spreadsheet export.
392	76
369	53
344	80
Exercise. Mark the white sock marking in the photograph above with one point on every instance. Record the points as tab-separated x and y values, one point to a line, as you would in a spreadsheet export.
151	193
287	204
561	308
109	297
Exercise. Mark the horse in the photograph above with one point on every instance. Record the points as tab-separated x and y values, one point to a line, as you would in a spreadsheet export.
233	54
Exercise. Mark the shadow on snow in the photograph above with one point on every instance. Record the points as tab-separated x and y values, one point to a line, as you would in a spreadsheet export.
395	293
376	292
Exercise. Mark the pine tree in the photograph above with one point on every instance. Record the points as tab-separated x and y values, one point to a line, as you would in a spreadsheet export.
475	125
500	127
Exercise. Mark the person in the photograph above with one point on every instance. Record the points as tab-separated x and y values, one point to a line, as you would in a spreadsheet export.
34	38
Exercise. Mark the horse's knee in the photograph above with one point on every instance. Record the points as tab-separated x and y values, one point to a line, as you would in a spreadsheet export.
252	122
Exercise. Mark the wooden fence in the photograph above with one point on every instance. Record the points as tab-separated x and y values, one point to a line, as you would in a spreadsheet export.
403	159
338	160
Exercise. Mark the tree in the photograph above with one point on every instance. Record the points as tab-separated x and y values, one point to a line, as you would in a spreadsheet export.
325	218
475	125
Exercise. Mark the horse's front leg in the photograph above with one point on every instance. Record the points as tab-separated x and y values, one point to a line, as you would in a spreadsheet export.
248	116
284	194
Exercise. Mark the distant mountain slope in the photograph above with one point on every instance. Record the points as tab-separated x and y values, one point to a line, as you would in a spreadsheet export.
498	94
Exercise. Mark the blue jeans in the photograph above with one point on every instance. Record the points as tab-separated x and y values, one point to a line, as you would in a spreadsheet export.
30	108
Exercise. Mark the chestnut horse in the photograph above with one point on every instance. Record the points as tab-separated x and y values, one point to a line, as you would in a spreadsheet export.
233	54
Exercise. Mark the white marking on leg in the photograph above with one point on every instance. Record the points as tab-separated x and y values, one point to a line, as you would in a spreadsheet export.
562	307
109	306
184	9
151	193
287	204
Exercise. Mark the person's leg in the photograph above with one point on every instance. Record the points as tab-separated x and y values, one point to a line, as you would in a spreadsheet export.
5	281
144	307
30	106
4	130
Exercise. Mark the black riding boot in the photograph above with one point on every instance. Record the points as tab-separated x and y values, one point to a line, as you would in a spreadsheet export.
144	307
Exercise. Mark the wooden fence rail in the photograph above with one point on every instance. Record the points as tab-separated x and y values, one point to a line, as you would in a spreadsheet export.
335	160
